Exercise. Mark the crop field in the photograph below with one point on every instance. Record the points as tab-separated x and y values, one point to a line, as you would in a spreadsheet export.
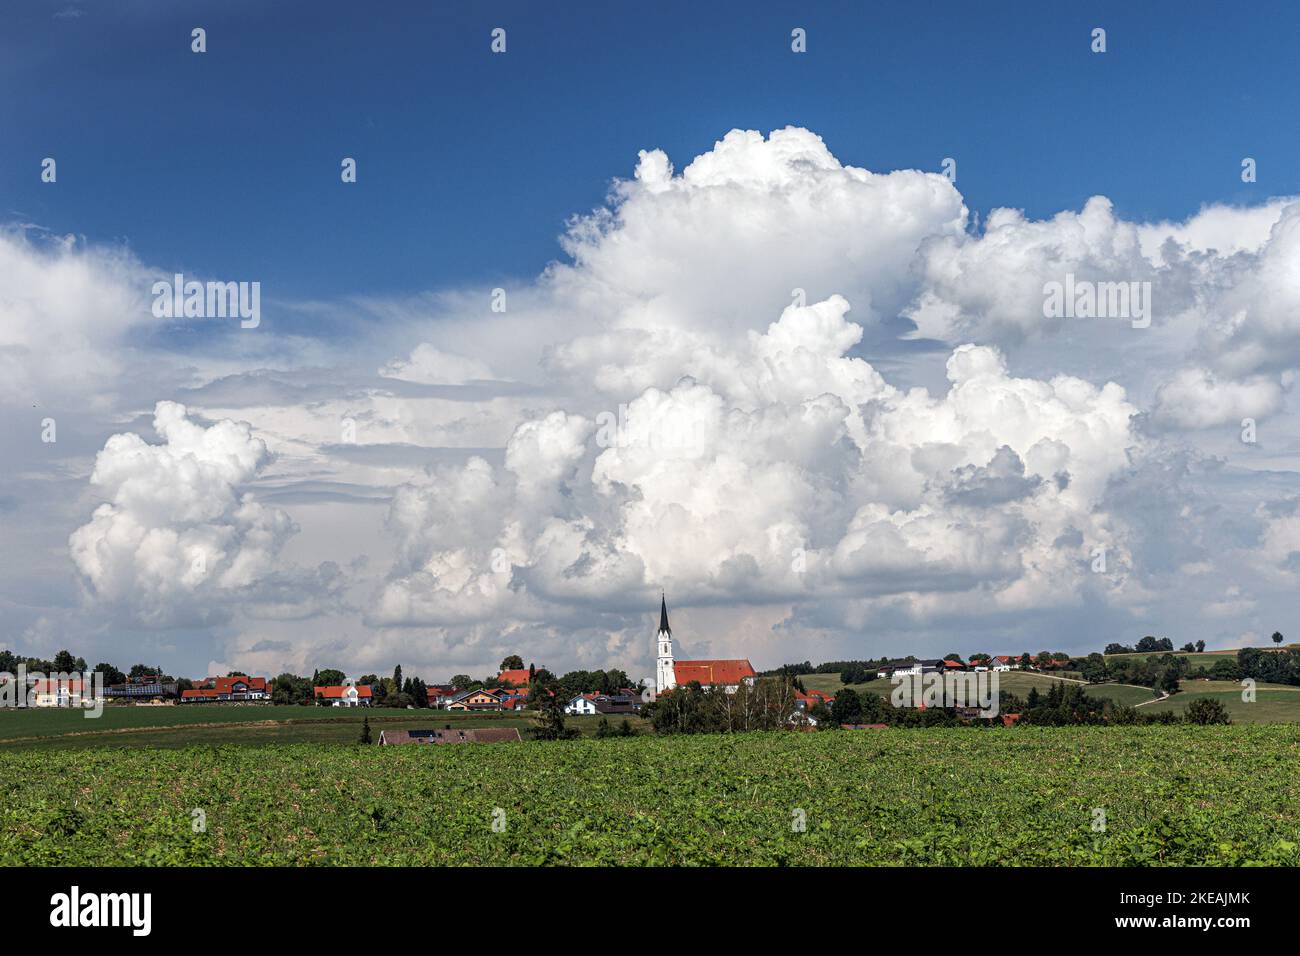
172	727
959	796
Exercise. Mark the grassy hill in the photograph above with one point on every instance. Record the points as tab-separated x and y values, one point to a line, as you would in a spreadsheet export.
1181	795
1274	703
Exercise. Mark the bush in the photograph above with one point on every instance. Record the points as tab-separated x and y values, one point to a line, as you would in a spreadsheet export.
1207	710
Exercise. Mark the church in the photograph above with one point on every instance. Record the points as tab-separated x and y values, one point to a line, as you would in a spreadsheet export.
670	672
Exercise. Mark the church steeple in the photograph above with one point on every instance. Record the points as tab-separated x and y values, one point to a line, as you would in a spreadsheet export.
665	668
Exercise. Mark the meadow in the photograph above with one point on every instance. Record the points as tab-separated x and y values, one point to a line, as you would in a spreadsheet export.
951	796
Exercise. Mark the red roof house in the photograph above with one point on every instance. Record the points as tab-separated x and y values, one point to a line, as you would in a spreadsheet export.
237	688
345	695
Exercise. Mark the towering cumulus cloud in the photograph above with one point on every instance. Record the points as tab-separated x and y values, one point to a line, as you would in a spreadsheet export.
177	539
815	402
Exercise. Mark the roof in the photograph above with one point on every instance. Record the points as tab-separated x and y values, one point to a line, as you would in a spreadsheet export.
948	663
517	677
337	693
663	614
609	705
226	685
726	672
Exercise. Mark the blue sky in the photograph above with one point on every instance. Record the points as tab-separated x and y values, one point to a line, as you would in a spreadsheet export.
227	163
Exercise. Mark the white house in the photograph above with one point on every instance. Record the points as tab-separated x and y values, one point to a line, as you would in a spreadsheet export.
583	704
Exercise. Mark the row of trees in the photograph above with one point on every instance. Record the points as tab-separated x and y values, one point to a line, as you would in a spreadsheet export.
768	704
65	663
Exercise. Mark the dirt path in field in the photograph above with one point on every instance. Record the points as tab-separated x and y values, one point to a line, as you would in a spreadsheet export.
1154	700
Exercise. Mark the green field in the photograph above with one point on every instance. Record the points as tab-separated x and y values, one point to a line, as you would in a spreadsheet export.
1196	659
172	727
1273	704
957	796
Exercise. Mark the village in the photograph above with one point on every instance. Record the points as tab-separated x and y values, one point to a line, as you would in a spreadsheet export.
514	688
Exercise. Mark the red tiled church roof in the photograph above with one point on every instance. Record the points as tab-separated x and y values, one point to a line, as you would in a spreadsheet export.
713	672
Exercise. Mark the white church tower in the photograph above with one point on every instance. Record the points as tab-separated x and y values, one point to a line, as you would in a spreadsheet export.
665	677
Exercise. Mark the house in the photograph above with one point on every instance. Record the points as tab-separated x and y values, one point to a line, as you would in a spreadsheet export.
227	689
1004	662
52	692
440	694
345	695
806	702
477	735
906	668
728	674
618	703
582	705
952	666
477	700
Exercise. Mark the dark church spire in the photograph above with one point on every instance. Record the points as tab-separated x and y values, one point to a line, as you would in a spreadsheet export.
663	615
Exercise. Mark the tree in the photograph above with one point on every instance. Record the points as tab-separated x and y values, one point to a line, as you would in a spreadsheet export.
1189	647
1207	710
111	674
1277	638
854	673
1093	668
366	736
513	662
549	721
603	729
1200	647
1225	668
461	681
329	677
397	676
65	663
1113	648
847	707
